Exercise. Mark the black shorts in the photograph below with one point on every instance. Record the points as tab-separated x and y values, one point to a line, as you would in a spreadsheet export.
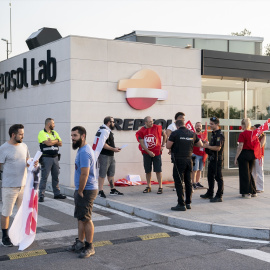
84	206
147	163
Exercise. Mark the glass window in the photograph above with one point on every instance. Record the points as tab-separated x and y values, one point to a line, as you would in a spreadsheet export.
212	44
242	47
176	42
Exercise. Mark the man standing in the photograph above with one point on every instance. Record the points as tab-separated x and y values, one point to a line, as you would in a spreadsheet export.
214	149
13	156
49	142
181	143
149	138
172	126
198	153
106	160
85	192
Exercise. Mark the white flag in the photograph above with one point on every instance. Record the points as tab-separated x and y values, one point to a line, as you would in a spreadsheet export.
101	137
23	229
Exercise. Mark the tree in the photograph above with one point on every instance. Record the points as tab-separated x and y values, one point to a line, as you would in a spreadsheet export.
245	32
267	49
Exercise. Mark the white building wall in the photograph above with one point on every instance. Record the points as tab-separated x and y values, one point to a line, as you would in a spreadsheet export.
85	91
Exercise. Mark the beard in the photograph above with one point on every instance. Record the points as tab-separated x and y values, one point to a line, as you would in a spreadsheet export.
18	141
76	144
111	127
51	127
198	130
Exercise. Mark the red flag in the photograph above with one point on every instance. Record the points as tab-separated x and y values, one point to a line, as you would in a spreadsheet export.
258	131
204	138
190	126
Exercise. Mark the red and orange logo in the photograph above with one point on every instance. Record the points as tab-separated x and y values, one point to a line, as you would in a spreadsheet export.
143	89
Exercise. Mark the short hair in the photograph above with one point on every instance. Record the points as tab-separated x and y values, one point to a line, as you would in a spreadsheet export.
107	119
180	123
146	118
178	114
257	125
198	123
15	129
48	120
81	130
246	122
215	120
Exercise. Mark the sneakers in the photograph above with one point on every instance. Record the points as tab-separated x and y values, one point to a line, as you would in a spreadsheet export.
199	185
115	192
60	196
6	241
188	206
101	194
178	208
254	195
41	199
194	186
87	252
246	196
206	196
77	247
216	199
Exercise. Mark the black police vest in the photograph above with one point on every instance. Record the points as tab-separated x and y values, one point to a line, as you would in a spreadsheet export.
51	151
110	142
183	143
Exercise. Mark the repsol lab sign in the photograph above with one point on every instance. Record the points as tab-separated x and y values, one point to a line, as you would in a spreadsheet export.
135	124
11	80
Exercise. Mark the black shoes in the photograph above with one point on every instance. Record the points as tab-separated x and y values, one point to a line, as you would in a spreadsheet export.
115	192
206	196
101	194
77	247
216	199
6	241
87	252
60	196
188	206
179	208
41	199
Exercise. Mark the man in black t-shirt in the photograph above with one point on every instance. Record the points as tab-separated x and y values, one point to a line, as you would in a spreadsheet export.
106	160
181	143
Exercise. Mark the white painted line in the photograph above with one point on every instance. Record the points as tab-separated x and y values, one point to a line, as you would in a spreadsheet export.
67	208
114	227
180	231
254	253
42	221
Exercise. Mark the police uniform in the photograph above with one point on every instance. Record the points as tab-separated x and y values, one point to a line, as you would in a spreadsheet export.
183	142
215	159
49	162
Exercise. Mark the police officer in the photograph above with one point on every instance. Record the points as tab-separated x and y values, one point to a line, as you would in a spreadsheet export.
214	149
181	143
49	142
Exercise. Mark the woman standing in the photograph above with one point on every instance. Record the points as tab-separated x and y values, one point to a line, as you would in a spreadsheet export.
245	158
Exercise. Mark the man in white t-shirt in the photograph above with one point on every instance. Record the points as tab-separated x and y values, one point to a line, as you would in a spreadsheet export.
13	158
172	126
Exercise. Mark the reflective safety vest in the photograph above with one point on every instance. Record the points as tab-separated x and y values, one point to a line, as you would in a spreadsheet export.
44	136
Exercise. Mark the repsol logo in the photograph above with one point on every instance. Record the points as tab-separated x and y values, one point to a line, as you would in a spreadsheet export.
18	78
135	124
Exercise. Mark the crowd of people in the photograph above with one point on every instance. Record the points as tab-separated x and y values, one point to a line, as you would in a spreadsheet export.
187	149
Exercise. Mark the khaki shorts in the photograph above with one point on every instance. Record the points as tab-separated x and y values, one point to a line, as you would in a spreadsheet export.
10	196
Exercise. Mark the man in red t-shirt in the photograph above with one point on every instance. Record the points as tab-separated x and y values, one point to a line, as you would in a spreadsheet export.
198	153
149	137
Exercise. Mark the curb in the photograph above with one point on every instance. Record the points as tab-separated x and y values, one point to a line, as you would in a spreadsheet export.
182	223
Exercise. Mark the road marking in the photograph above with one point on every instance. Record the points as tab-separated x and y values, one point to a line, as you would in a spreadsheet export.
114	227
42	221
67	208
254	253
180	231
40	252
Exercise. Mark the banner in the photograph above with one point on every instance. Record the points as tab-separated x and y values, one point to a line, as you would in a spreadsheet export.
190	126
23	229
204	138
258	131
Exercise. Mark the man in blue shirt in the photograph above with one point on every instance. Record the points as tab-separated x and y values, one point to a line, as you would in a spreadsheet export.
86	188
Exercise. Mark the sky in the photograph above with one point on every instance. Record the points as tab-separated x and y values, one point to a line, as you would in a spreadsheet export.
113	18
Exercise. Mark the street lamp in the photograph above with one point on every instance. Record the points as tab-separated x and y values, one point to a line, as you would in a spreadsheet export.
7	45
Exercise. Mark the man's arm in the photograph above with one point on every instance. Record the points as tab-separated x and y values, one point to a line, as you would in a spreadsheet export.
83	179
169	144
107	147
213	148
238	152
50	142
164	139
168	133
150	153
199	143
